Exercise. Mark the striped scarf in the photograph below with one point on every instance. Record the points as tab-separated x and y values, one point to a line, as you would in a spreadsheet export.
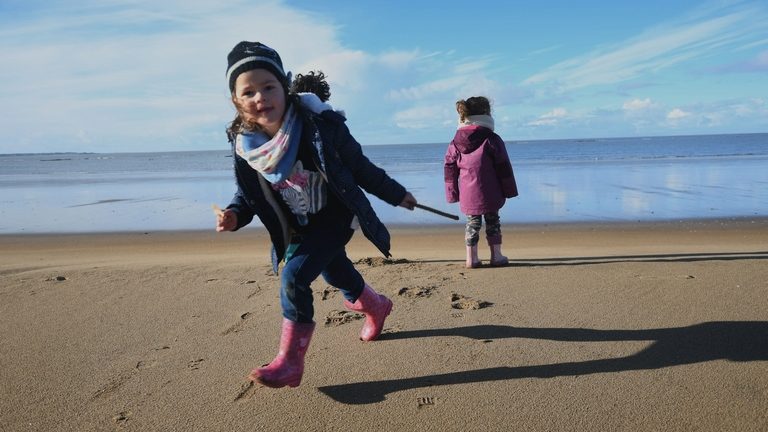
274	157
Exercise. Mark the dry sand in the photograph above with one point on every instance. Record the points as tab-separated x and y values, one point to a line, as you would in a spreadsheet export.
637	327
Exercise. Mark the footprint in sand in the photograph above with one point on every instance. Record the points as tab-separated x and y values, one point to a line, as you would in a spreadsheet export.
378	261
425	401
114	384
195	364
253	293
417	291
238	326
329	292
122	417
337	317
245	391
459	301
151	359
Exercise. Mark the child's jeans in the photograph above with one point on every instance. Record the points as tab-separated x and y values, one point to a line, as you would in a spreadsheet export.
492	229
321	252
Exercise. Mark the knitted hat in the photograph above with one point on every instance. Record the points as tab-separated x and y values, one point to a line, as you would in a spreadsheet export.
247	56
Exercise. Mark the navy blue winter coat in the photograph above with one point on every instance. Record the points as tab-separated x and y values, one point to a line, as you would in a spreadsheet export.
340	158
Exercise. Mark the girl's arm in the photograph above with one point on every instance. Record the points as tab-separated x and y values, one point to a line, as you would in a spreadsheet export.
366	174
451	174
243	213
503	167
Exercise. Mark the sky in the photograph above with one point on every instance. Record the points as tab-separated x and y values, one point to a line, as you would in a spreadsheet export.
139	75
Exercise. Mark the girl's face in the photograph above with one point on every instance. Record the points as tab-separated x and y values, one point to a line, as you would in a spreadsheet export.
260	99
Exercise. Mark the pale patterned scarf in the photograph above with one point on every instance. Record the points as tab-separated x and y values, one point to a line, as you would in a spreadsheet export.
477	120
273	158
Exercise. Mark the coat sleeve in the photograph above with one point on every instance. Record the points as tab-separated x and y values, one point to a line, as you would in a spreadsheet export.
239	203
503	167
367	175
451	174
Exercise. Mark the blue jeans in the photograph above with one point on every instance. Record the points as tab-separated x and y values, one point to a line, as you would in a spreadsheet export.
321	252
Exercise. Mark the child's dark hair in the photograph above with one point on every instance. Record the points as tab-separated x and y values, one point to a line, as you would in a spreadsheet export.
476	105
312	82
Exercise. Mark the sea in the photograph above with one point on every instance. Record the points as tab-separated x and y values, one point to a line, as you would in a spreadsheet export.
634	179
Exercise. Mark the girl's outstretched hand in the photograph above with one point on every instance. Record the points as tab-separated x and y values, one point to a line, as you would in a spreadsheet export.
409	201
226	220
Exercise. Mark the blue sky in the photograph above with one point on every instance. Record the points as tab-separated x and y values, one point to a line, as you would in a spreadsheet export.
135	75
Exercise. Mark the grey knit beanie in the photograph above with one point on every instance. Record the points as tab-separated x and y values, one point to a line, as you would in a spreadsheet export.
247	56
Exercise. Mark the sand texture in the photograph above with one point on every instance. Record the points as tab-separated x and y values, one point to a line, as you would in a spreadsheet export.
635	327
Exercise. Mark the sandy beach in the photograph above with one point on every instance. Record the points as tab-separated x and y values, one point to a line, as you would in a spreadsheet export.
607	327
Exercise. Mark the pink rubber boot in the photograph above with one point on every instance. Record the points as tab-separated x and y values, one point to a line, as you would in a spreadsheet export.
376	307
497	259
288	366
472	260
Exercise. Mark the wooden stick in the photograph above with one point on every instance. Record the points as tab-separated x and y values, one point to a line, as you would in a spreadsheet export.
217	210
435	211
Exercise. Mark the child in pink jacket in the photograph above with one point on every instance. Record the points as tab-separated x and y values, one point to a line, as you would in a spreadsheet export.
478	174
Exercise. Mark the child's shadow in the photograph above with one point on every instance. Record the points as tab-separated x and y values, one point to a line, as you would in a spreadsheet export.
721	340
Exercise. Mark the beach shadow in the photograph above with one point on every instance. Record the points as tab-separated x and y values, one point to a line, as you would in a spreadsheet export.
738	341
589	260
697	257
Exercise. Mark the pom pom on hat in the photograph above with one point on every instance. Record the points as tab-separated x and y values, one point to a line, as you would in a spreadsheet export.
247	56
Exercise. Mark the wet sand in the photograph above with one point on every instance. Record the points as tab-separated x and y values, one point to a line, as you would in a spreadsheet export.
636	327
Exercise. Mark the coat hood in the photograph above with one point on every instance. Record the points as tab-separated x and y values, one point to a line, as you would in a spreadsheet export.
469	138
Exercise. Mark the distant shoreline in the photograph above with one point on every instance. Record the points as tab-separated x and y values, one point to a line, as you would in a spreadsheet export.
508	141
741	222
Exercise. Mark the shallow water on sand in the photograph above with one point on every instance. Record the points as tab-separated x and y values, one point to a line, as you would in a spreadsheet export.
603	180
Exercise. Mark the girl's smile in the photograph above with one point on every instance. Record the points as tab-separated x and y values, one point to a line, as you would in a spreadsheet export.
260	98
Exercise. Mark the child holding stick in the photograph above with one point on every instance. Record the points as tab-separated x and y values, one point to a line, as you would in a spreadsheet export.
301	173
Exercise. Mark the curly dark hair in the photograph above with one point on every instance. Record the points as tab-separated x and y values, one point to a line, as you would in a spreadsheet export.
312	82
475	105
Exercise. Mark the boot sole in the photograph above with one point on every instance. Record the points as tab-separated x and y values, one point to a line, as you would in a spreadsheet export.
276	385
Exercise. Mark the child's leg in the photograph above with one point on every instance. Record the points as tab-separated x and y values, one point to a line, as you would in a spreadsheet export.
342	274
287	368
493	235
359	296
471	238
315	252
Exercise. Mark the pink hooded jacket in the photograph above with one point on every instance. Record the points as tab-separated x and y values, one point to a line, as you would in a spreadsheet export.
478	173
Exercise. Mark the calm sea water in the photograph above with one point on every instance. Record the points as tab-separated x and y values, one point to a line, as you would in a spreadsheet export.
613	179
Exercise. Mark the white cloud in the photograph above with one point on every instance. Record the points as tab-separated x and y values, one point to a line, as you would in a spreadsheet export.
638	104
428	89
144	75
677	114
148	75
420	117
398	59
89	72
656	49
753	44
550	118
471	67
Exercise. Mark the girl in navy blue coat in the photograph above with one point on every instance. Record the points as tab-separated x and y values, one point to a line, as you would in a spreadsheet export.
300	171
